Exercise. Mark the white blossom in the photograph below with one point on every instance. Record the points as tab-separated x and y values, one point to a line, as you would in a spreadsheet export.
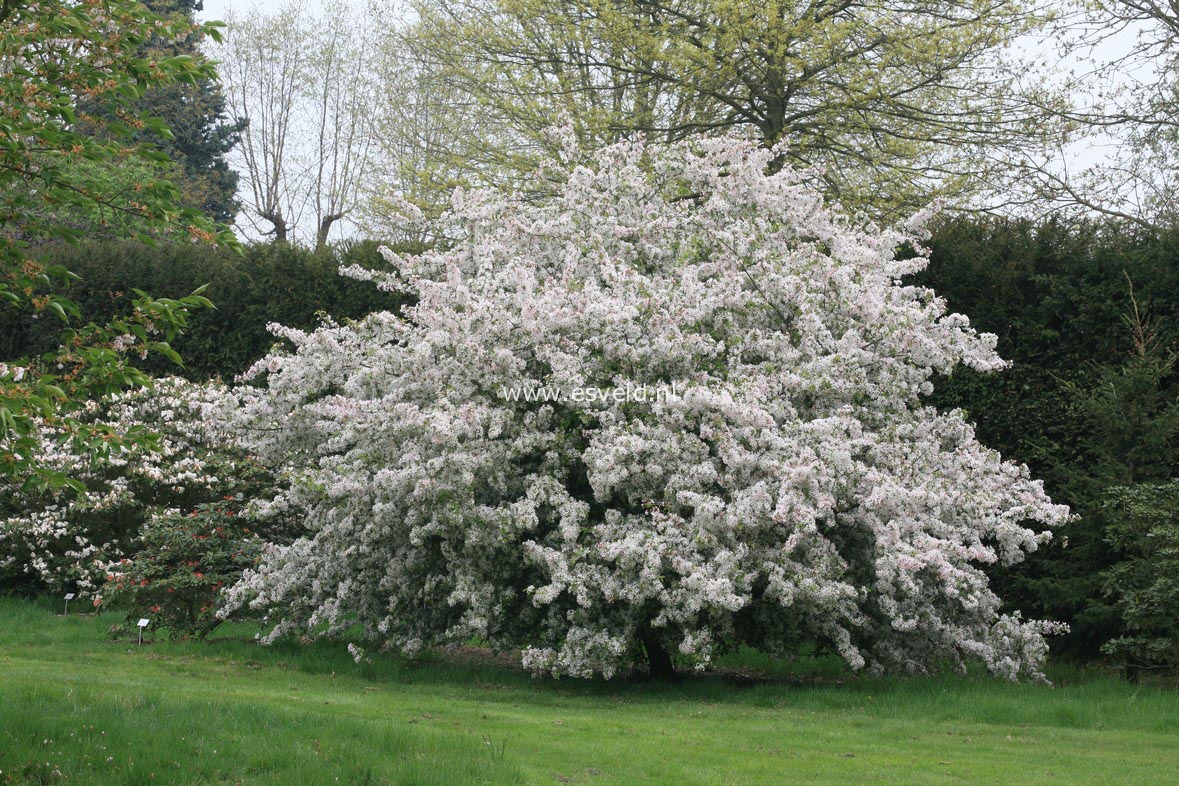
796	489
66	540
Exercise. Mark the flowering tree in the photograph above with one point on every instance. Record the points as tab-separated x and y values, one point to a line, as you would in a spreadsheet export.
483	464
170	454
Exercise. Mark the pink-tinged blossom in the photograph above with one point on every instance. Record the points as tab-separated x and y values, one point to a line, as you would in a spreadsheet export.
796	489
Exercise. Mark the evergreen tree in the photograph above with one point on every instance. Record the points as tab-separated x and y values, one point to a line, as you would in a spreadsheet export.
1144	585
194	112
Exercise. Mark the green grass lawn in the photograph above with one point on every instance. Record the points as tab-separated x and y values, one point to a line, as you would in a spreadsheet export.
78	708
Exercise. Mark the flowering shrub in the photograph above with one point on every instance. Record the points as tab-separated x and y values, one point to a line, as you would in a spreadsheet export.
793	489
59	540
181	563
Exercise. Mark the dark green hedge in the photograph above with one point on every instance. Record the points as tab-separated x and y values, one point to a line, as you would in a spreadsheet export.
267	283
1072	406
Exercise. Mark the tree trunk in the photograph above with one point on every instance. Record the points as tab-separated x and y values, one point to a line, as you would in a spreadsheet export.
325	226
278	223
659	663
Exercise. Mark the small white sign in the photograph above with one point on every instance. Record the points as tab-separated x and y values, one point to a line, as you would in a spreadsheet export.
69	596
143	623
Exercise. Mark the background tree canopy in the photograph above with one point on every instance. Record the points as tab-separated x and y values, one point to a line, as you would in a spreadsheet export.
893	102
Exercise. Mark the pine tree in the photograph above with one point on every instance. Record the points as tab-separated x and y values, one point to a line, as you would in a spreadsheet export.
195	114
